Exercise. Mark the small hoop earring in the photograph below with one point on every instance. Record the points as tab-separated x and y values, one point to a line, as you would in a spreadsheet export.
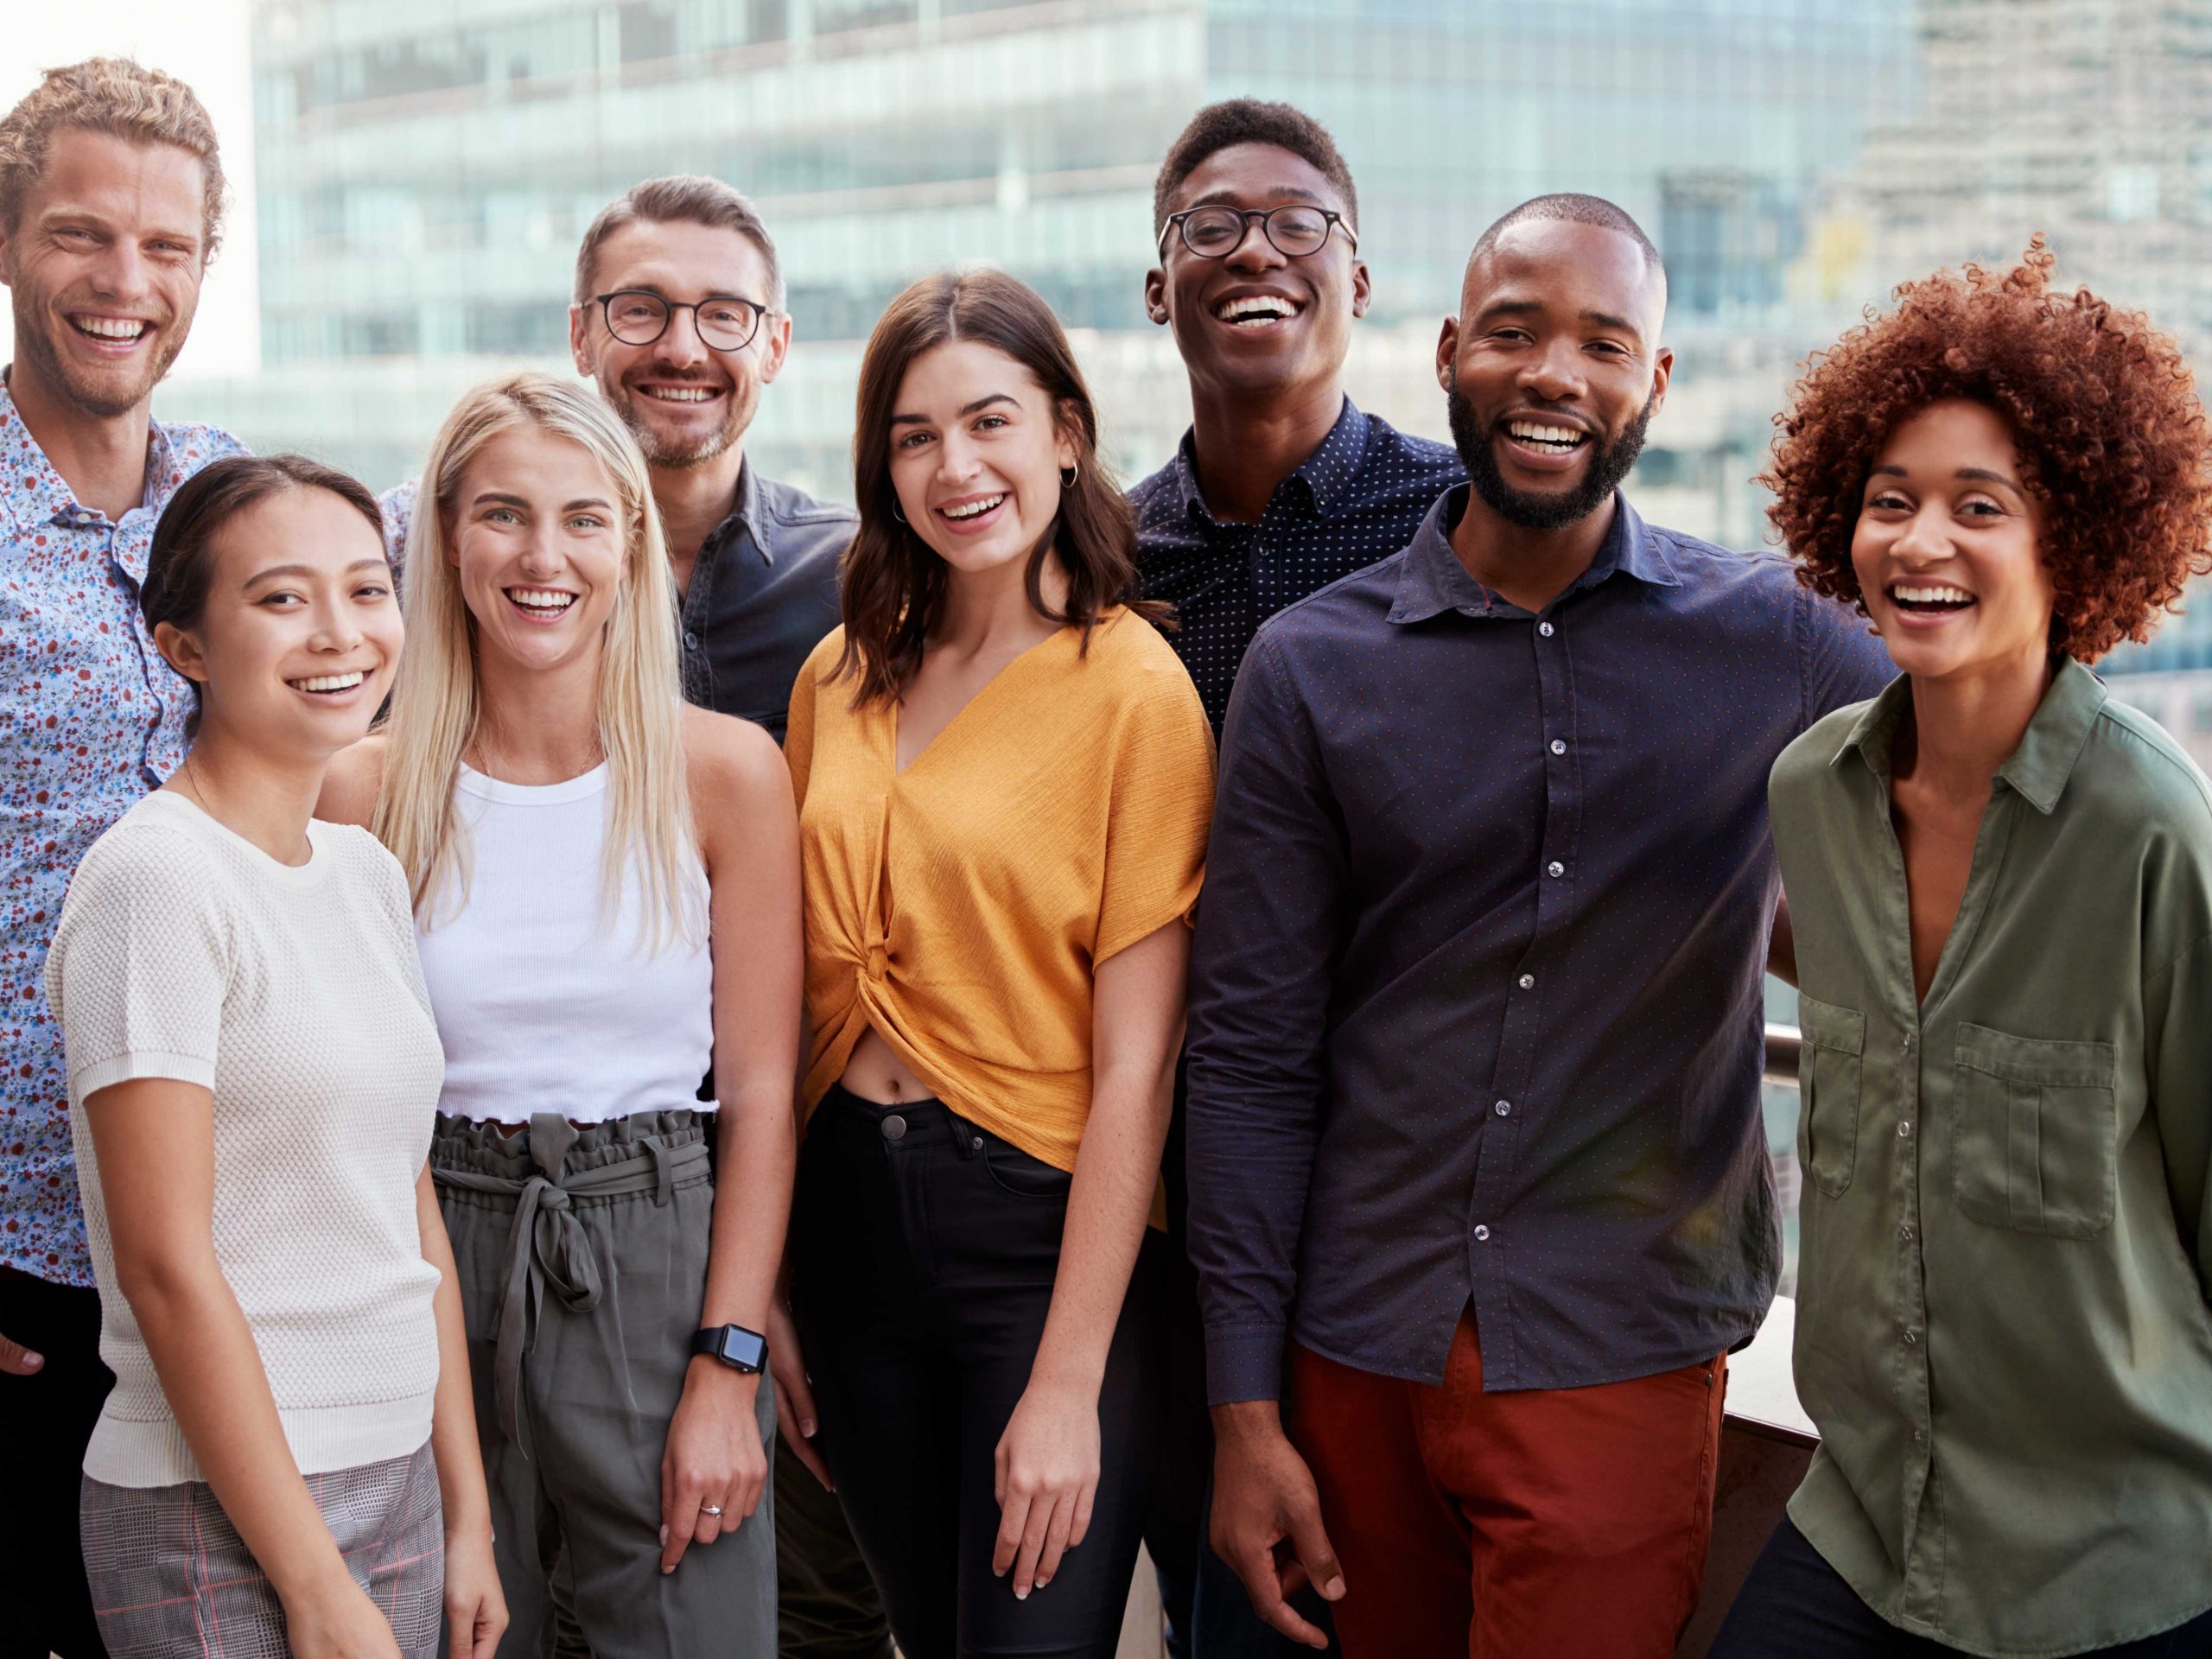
1068	478
895	514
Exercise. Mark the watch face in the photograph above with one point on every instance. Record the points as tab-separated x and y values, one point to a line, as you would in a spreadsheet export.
746	1350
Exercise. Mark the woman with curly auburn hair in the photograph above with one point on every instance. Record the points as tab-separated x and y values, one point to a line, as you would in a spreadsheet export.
2001	883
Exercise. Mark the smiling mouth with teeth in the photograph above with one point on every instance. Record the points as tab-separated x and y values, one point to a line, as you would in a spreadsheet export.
116	329
682	394
1256	311
1543	434
546	601
973	509
322	685
1928	599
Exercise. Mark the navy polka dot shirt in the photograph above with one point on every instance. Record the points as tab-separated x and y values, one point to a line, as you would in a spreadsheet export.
1358	498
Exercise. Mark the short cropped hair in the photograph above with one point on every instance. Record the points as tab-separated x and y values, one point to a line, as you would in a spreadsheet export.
2104	415
680	199
124	99
1570	208
1250	120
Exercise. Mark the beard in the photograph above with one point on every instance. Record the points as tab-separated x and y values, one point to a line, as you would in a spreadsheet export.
692	449
102	397
1546	509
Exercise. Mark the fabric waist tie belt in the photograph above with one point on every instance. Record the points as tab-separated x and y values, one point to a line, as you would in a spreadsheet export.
547	1245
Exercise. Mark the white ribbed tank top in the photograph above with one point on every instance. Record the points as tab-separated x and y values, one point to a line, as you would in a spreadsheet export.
543	1004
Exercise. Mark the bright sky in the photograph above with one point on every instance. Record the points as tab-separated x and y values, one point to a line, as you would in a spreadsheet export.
205	43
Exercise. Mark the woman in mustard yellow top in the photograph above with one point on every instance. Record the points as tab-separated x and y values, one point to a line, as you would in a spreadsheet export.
1004	779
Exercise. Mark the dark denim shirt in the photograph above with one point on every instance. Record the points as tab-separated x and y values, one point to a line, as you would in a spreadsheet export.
1476	1009
762	595
1356	498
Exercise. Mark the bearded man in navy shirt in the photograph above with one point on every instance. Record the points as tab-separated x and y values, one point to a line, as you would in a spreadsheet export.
1478	1192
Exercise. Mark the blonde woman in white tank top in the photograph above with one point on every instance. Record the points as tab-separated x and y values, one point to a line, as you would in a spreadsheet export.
606	885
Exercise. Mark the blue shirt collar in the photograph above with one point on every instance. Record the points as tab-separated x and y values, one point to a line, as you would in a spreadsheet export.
1432	581
1326	476
40	495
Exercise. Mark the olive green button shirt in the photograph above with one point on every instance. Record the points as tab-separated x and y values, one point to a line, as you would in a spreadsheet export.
2002	1329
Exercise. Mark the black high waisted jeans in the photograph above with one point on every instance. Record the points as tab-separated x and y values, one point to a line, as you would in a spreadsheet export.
924	1249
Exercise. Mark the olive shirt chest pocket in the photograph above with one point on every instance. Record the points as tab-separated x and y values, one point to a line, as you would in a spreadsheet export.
2035	1132
1828	1083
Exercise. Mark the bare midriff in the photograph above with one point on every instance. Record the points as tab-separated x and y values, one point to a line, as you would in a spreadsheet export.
875	1072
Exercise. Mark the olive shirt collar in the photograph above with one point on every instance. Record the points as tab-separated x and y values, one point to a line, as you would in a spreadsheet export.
2037	771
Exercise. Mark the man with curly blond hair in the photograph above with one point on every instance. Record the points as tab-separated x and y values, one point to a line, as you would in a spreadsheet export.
111	206
2000	881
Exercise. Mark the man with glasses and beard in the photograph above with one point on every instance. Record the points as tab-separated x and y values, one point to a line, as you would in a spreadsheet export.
1479	1199
110	207
679	315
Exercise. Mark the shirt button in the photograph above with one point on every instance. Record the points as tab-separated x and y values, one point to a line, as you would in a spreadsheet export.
1905	1131
1503	1108
1919	1436
1544	628
691	640
1481	1235
1559	747
1906	1233
1909	1339
1556	868
1528	982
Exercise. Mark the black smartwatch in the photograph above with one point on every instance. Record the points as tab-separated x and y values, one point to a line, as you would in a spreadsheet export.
735	1346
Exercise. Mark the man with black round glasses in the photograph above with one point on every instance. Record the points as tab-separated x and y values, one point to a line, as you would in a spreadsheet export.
679	314
1279	487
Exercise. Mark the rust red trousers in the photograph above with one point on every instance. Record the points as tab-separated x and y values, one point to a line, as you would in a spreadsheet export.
1549	1523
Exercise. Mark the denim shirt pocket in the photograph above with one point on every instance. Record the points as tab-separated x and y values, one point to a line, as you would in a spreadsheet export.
1828	1086
2035	1132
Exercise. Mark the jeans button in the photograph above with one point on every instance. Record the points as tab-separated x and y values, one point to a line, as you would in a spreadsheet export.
894	1127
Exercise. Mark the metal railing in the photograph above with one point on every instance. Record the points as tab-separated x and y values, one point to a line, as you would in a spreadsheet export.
1783	1045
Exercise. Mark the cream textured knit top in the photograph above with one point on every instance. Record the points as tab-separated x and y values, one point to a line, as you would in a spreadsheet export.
293	995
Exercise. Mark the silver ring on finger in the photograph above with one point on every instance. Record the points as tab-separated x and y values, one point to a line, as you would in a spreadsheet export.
715	1509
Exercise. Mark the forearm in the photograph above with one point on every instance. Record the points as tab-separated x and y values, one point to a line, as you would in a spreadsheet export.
757	1155
210	1375
1116	1174
454	1444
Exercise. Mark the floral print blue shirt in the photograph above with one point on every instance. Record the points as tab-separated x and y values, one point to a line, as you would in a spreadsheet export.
91	719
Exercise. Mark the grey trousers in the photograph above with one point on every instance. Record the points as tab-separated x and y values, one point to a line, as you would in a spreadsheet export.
170	1576
582	1261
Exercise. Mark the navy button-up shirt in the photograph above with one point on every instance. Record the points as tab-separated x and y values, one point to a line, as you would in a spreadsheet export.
1476	1010
1354	500
761	597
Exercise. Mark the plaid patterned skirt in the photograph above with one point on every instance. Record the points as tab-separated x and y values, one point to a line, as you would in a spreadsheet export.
170	1575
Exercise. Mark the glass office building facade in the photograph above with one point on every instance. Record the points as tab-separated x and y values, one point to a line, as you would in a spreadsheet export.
425	171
